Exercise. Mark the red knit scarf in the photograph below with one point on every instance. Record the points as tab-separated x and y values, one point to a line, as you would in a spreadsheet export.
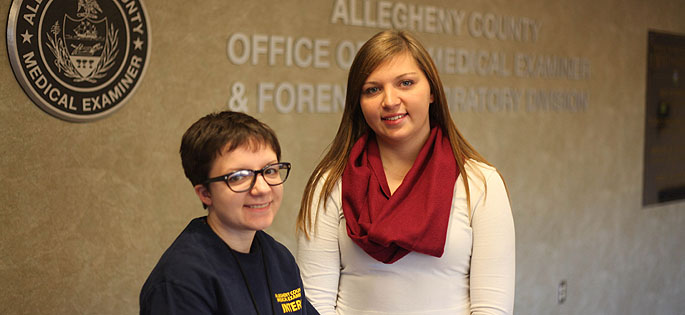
415	217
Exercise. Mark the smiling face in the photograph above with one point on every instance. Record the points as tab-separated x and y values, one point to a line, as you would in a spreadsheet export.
395	100
239	215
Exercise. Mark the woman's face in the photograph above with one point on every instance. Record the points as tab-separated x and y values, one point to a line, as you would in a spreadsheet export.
245	212
395	100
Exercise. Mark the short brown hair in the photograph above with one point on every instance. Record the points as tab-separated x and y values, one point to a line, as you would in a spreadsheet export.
217	133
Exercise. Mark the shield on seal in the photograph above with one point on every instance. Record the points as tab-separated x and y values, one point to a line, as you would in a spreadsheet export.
85	40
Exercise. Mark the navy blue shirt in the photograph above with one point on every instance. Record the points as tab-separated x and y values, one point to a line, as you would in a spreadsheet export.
199	274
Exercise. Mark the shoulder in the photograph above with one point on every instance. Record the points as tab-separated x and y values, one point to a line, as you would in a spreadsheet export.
484	182
279	257
486	187
334	199
187	262
473	165
324	178
274	247
480	174
197	241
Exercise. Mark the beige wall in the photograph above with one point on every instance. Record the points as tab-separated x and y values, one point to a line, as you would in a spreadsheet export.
87	209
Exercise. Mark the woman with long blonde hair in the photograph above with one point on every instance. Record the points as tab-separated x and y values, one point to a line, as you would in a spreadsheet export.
403	215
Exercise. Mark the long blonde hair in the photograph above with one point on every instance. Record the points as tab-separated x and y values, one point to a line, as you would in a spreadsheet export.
381	47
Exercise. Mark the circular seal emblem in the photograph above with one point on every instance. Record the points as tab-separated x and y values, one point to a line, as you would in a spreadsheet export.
78	60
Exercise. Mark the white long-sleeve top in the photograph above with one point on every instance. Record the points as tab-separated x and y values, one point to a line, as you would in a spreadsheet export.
475	275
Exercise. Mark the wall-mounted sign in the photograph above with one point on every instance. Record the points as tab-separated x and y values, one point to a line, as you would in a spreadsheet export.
664	170
465	44
78	60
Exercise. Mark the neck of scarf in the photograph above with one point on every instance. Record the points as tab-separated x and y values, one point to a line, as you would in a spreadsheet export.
415	216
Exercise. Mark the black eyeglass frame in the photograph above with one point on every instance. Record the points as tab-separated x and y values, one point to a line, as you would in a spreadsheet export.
224	178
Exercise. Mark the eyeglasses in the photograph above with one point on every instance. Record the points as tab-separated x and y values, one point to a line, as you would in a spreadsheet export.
243	180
